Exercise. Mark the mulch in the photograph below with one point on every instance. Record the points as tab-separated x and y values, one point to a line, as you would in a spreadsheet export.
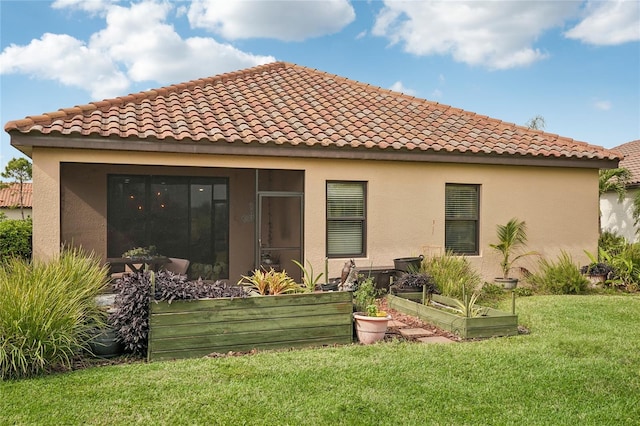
413	322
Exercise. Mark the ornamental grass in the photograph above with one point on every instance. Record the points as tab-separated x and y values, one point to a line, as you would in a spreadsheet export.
47	311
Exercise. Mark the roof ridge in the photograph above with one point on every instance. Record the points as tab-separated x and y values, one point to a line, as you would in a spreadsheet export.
107	103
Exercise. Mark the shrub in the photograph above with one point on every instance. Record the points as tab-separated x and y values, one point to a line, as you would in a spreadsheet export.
611	242
366	293
47	311
452	274
15	239
131	316
270	282
560	277
492	293
625	267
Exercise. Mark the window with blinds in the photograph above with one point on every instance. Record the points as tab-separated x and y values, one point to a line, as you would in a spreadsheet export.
346	219
462	207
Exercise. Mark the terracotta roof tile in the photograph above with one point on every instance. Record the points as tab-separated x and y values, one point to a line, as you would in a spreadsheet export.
10	196
631	161
282	103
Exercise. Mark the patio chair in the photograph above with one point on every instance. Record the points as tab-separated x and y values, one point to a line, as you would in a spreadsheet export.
127	270
177	266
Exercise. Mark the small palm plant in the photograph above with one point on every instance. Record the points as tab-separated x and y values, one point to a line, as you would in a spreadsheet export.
511	236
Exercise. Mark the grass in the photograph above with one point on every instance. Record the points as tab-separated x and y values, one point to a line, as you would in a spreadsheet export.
579	365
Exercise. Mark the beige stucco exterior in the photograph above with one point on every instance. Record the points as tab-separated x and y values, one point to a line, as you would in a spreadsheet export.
405	202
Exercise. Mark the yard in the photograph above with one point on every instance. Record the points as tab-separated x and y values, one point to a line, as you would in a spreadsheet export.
580	364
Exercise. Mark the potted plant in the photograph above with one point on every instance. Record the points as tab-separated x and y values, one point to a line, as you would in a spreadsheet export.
597	271
512	236
371	323
141	253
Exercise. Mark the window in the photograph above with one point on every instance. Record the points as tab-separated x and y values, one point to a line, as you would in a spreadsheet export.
185	217
346	219
461	218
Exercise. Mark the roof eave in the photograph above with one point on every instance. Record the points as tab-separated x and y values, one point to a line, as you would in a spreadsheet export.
25	143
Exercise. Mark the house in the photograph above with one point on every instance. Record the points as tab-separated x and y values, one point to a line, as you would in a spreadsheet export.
281	162
10	200
617	216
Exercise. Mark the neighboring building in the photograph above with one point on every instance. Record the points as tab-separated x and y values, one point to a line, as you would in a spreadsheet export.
618	216
282	162
10	200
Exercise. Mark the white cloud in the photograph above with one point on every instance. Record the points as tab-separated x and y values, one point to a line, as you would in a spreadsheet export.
399	87
67	60
609	23
436	94
602	105
92	6
494	34
281	20
136	45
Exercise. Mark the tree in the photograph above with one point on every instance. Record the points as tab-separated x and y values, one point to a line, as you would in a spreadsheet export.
19	171
536	123
614	180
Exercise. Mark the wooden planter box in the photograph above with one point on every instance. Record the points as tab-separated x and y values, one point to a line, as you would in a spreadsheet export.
495	323
185	329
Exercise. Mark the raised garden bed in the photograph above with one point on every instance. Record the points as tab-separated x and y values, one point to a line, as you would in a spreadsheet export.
493	323
186	329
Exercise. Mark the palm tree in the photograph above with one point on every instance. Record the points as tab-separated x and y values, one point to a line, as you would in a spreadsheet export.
512	236
614	180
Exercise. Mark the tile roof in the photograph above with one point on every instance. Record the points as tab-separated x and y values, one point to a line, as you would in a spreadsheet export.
631	161
290	105
10	196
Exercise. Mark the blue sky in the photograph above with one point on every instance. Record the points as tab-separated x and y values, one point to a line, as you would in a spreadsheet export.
575	63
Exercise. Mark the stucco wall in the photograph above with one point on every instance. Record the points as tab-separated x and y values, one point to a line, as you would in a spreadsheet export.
618	217
14	213
405	204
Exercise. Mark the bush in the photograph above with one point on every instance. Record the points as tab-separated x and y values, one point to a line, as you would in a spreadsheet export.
15	239
492	293
612	243
452	274
131	316
625	267
560	277
47	311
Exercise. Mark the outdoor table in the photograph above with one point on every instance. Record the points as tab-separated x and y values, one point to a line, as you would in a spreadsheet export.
140	264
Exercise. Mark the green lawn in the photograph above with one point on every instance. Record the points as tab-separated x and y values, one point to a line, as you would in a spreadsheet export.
580	365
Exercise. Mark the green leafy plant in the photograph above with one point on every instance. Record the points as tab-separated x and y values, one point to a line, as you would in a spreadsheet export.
364	297
141	252
559	277
511	236
625	267
270	282
612	243
47	311
467	306
310	280
453	275
15	239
